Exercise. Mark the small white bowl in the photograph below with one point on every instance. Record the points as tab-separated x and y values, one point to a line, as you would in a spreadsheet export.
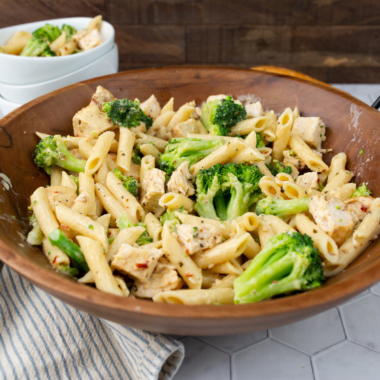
107	64
18	70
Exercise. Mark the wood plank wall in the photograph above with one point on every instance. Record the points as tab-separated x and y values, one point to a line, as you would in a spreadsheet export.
333	40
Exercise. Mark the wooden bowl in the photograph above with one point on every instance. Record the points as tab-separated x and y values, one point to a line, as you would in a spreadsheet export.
352	126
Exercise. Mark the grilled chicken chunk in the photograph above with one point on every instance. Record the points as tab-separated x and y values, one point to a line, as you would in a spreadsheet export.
138	263
152	189
180	181
311	130
254	109
163	279
198	236
358	207
102	96
330	216
309	180
151	107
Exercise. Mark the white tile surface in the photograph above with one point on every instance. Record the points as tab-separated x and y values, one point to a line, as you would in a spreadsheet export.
203	362
362	322
347	361
232	343
269	360
313	334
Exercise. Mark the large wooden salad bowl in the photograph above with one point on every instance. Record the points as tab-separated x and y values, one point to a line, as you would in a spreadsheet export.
352	126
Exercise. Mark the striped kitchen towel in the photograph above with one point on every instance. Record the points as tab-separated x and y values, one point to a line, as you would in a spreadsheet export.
43	338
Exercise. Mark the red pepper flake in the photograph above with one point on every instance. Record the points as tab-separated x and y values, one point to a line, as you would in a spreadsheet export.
143	265
56	192
55	259
364	208
266	152
275	282
188	274
64	227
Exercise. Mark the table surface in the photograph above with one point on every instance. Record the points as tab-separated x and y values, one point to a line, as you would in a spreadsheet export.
341	343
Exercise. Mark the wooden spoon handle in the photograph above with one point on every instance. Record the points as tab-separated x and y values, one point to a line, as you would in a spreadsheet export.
288	72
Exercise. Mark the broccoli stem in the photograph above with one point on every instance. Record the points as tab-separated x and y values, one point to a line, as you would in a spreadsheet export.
282	207
221	207
68	270
58	239
69	161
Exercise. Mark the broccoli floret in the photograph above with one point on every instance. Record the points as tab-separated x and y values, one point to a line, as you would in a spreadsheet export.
227	191
361	191
35	236
260	141
288	263
47	33
282	207
180	150
124	222
279	167
129	183
220	115
171	219
52	150
37	48
58	239
127	114
69	30
137	155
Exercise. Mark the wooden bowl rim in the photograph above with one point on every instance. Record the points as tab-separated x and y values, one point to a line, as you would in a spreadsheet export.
82	294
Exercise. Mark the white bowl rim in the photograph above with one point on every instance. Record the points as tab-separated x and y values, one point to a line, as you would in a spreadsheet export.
40	84
66	57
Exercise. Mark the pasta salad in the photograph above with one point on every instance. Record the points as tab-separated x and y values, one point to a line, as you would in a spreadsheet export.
220	204
51	41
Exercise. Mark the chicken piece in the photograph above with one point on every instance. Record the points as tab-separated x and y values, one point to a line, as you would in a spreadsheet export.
152	189
196	237
309	180
330	216
182	129
60	195
215	97
164	134
180	181
90	40
138	263
139	129
163	279
294	160
101	96
151	107
196	113
358	207
254	109
90	121
79	35
311	130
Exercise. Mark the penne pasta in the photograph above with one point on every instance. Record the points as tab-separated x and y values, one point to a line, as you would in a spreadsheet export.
99	152
174	201
125	149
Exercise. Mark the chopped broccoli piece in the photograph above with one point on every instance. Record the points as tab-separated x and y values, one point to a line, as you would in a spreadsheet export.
137	155
76	181
35	236
281	207
260	141
288	263
279	167
69	30
129	183
171	219
37	48
227	191
361	191
68	270
124	222
47	33
186	149
127	114
58	239
52	150
220	115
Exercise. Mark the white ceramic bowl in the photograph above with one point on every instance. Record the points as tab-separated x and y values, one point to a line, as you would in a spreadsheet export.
18	70
107	64
6	107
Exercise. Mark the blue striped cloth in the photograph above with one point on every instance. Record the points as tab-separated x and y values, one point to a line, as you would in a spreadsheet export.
43	338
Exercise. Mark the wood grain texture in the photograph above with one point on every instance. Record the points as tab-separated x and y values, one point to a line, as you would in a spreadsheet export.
13	12
53	113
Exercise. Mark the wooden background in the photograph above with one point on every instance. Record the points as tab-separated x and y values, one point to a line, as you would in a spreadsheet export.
333	40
